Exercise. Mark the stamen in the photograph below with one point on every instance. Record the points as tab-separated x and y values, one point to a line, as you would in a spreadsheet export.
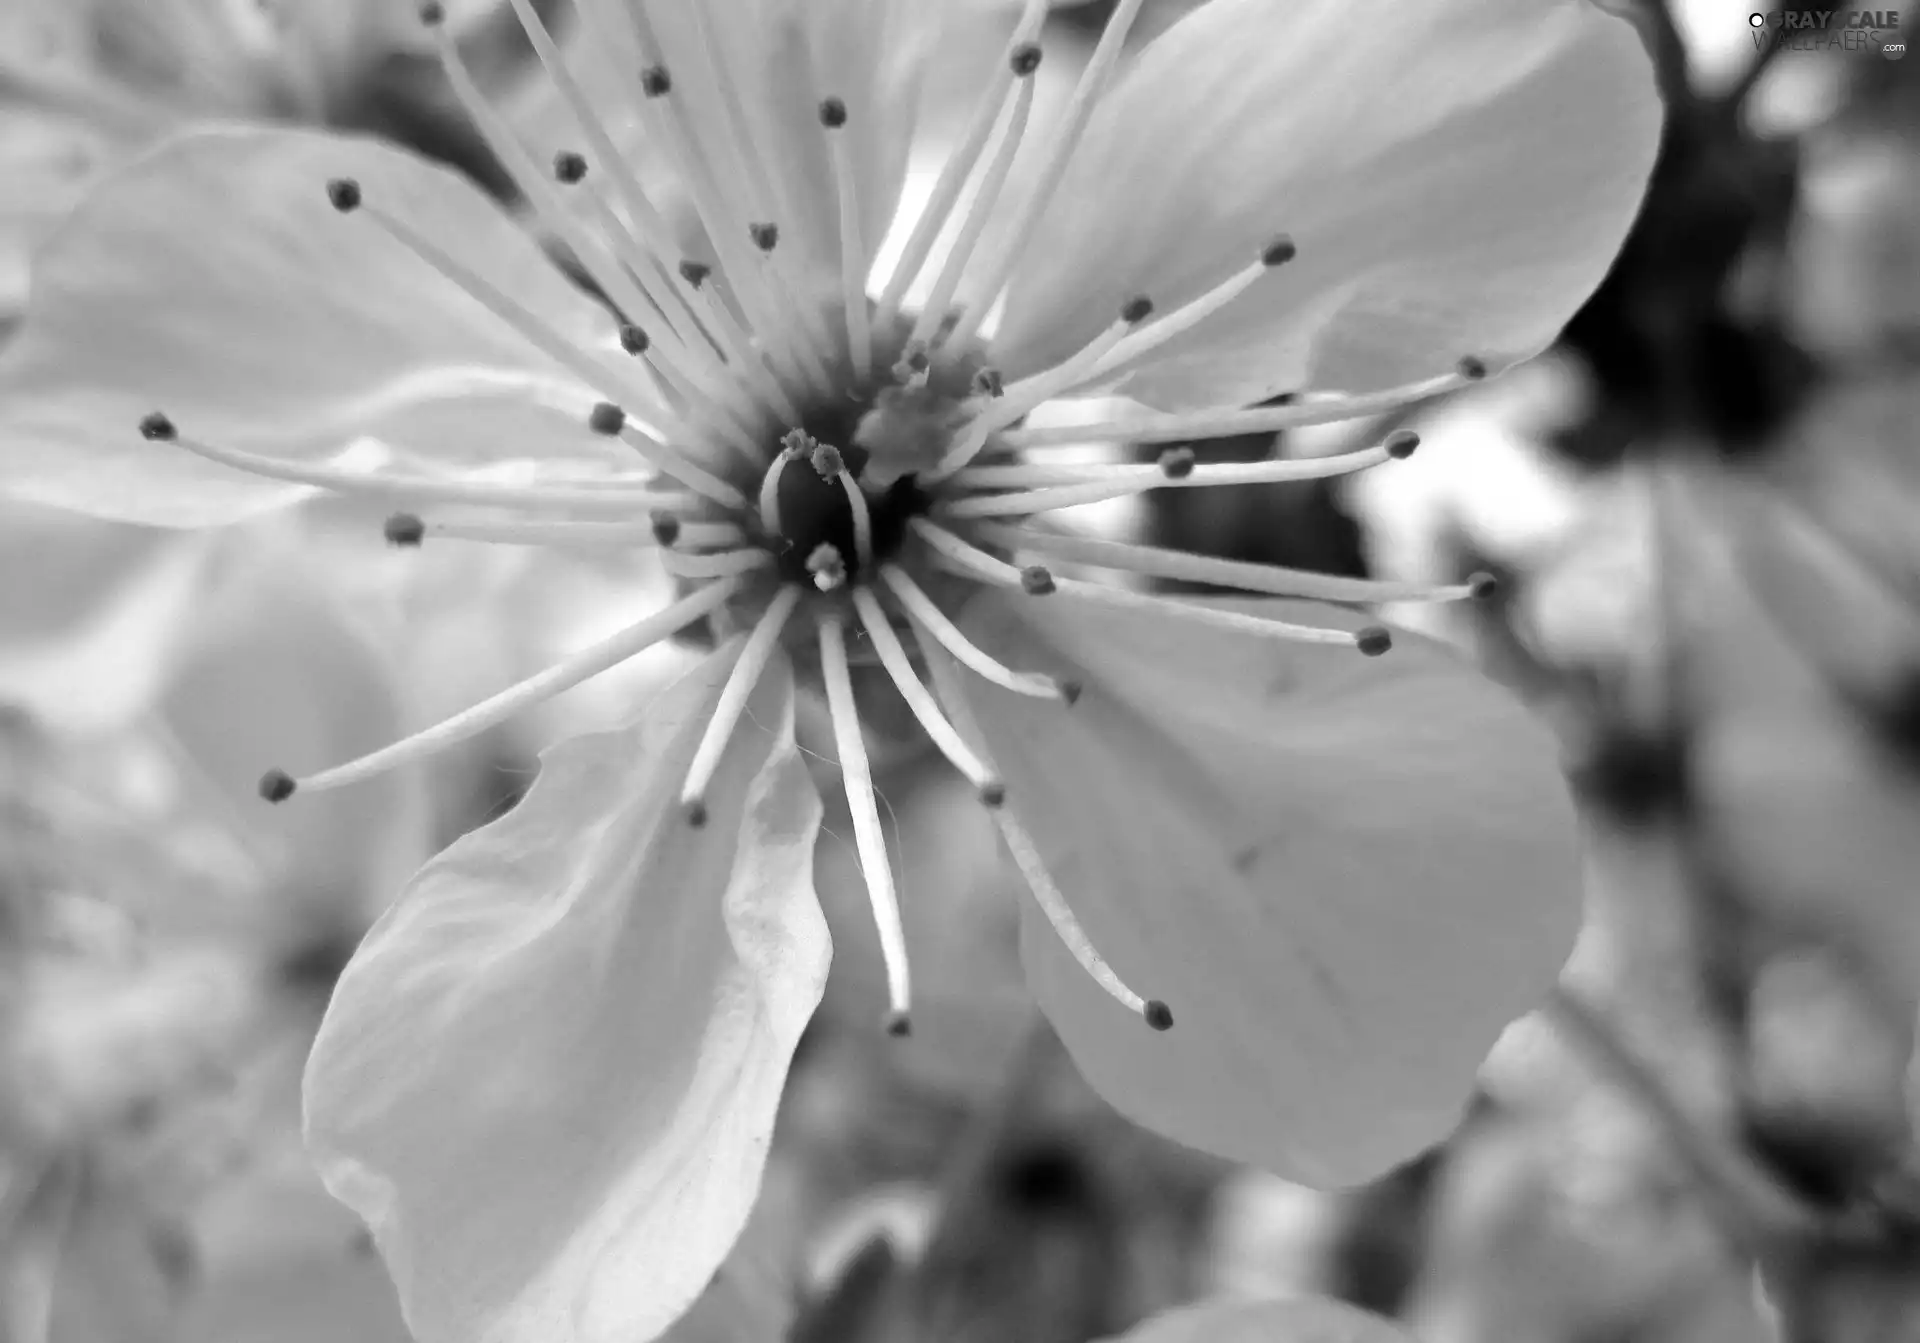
1100	483
868	841
347	198
1021	59
953	553
1023	397
828	462
1228	423
608	419
1052	168
930	619
1047	895
613	498
407	529
853	253
741	681
626	285
1277	252
1187	567
956	553
713	564
743	354
587	663
933	317
724	221
1026	856
893	656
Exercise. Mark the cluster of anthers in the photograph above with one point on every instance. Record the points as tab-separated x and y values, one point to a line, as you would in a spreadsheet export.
848	456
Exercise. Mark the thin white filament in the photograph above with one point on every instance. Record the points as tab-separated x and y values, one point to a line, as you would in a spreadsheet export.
930	619
868	840
746	674
581	666
893	656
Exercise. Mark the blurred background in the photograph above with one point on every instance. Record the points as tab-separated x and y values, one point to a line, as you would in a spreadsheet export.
1704	505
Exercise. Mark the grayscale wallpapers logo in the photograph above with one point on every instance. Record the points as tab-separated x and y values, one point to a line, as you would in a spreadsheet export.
1830	30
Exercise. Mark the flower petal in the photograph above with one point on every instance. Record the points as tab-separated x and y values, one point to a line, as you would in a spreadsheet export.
1300	1320
1344	875
1456	180
213	280
548	1078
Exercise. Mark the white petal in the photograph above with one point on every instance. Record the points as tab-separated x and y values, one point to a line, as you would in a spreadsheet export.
548	1078
1457	178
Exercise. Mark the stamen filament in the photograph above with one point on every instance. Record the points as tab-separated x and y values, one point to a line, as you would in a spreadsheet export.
1047	895
853	260
953	553
1186	317
862	519
951	549
670	462
496	301
893	656
1052	169
979	212
959	165
1020	399
750	359
1228	423
581	666
929	618
746	674
1156	562
713	564
868	840
610	498
1118	482
689	534
625	286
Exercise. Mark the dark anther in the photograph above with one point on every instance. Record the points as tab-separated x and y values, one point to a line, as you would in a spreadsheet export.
655	82
1158	1015
405	529
1471	367
432	13
899	1025
666	528
1025	58
276	785
569	167
344	192
988	382
916	358
695	273
1176	463
1482	585
606	418
765	236
632	339
1069	691
1279	251
1036	581
1373	640
1401	443
993	794
833	113
1137	309
157	427
696	813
